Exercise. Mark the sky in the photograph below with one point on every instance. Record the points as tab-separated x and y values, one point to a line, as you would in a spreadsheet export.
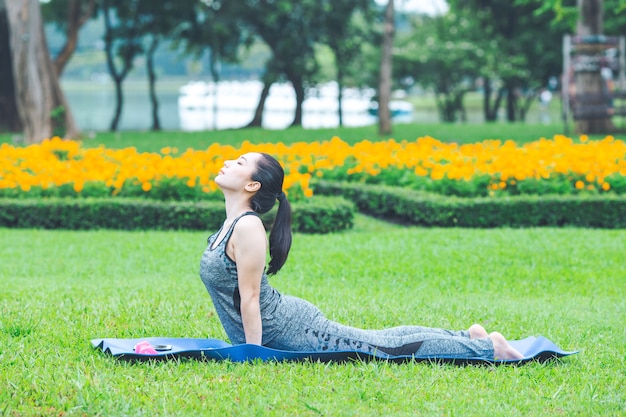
423	6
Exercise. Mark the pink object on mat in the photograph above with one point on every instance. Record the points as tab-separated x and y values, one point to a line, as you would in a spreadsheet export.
145	348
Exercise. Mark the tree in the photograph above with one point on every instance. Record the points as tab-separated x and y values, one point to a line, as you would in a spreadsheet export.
528	51
271	74
40	103
69	16
290	29
345	36
156	21
9	116
568	12
122	43
384	86
615	17
208	25
137	27
439	54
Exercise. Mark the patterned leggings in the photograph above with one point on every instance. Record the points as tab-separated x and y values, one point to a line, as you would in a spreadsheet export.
306	329
402	340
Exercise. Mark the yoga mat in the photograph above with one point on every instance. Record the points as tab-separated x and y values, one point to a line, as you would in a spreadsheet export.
533	348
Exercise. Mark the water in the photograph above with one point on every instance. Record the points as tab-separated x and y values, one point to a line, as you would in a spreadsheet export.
93	104
237	102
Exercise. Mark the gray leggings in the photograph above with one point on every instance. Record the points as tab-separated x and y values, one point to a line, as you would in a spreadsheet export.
402	340
317	333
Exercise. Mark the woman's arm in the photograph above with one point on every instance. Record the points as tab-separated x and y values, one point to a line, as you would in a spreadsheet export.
248	245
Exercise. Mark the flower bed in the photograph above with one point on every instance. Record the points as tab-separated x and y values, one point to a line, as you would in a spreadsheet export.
559	165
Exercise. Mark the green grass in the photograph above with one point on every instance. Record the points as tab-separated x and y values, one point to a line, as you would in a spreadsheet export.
63	288
461	133
200	140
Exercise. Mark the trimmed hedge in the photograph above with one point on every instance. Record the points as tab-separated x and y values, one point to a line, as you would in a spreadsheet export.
414	207
317	215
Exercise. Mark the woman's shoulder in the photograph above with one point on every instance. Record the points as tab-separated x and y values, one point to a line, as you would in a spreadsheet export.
249	221
249	232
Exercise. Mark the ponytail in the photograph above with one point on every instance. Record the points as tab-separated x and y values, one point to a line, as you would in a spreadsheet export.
271	176
280	236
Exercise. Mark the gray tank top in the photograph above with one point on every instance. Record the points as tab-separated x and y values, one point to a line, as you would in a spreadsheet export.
219	274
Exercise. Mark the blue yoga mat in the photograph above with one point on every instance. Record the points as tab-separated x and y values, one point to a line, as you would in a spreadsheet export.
533	348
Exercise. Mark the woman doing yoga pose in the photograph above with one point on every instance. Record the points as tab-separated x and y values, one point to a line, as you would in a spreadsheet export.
233	269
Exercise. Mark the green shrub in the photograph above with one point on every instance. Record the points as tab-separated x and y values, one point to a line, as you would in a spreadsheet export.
165	189
480	185
319	215
414	207
323	215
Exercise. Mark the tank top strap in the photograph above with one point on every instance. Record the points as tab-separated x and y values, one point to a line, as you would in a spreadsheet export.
232	226
213	239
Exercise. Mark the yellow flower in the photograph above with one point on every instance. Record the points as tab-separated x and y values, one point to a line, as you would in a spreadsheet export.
56	162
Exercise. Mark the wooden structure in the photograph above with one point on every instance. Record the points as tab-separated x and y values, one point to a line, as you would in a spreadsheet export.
594	80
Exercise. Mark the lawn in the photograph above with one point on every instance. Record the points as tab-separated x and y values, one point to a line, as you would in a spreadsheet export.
63	288
454	132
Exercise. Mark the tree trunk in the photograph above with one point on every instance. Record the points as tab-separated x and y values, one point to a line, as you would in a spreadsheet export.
384	87
41	104
298	87
257	120
154	101
9	116
77	16
590	19
443	107
511	102
268	79
214	61
119	105
459	106
589	85
127	61
529	99
340	94
491	112
489	115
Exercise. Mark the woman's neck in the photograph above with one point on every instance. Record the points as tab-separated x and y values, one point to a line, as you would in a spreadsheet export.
236	206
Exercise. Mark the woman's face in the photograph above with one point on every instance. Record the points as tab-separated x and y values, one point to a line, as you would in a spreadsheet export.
237	174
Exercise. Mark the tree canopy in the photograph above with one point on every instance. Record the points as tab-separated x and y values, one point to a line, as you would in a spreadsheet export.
507	49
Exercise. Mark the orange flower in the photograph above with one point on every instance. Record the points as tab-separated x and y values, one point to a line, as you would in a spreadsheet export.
56	162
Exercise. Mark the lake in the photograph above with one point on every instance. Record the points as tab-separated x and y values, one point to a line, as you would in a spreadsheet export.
189	107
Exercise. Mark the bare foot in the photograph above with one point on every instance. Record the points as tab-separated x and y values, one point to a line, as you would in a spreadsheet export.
477	331
502	350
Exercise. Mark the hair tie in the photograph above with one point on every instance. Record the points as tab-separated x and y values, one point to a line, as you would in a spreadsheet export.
281	196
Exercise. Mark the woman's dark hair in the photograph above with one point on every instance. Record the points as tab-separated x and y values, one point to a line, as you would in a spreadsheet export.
270	175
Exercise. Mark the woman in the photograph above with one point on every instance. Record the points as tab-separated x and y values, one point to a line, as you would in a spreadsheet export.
251	311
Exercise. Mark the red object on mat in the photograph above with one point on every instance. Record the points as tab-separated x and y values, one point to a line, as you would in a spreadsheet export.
145	348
